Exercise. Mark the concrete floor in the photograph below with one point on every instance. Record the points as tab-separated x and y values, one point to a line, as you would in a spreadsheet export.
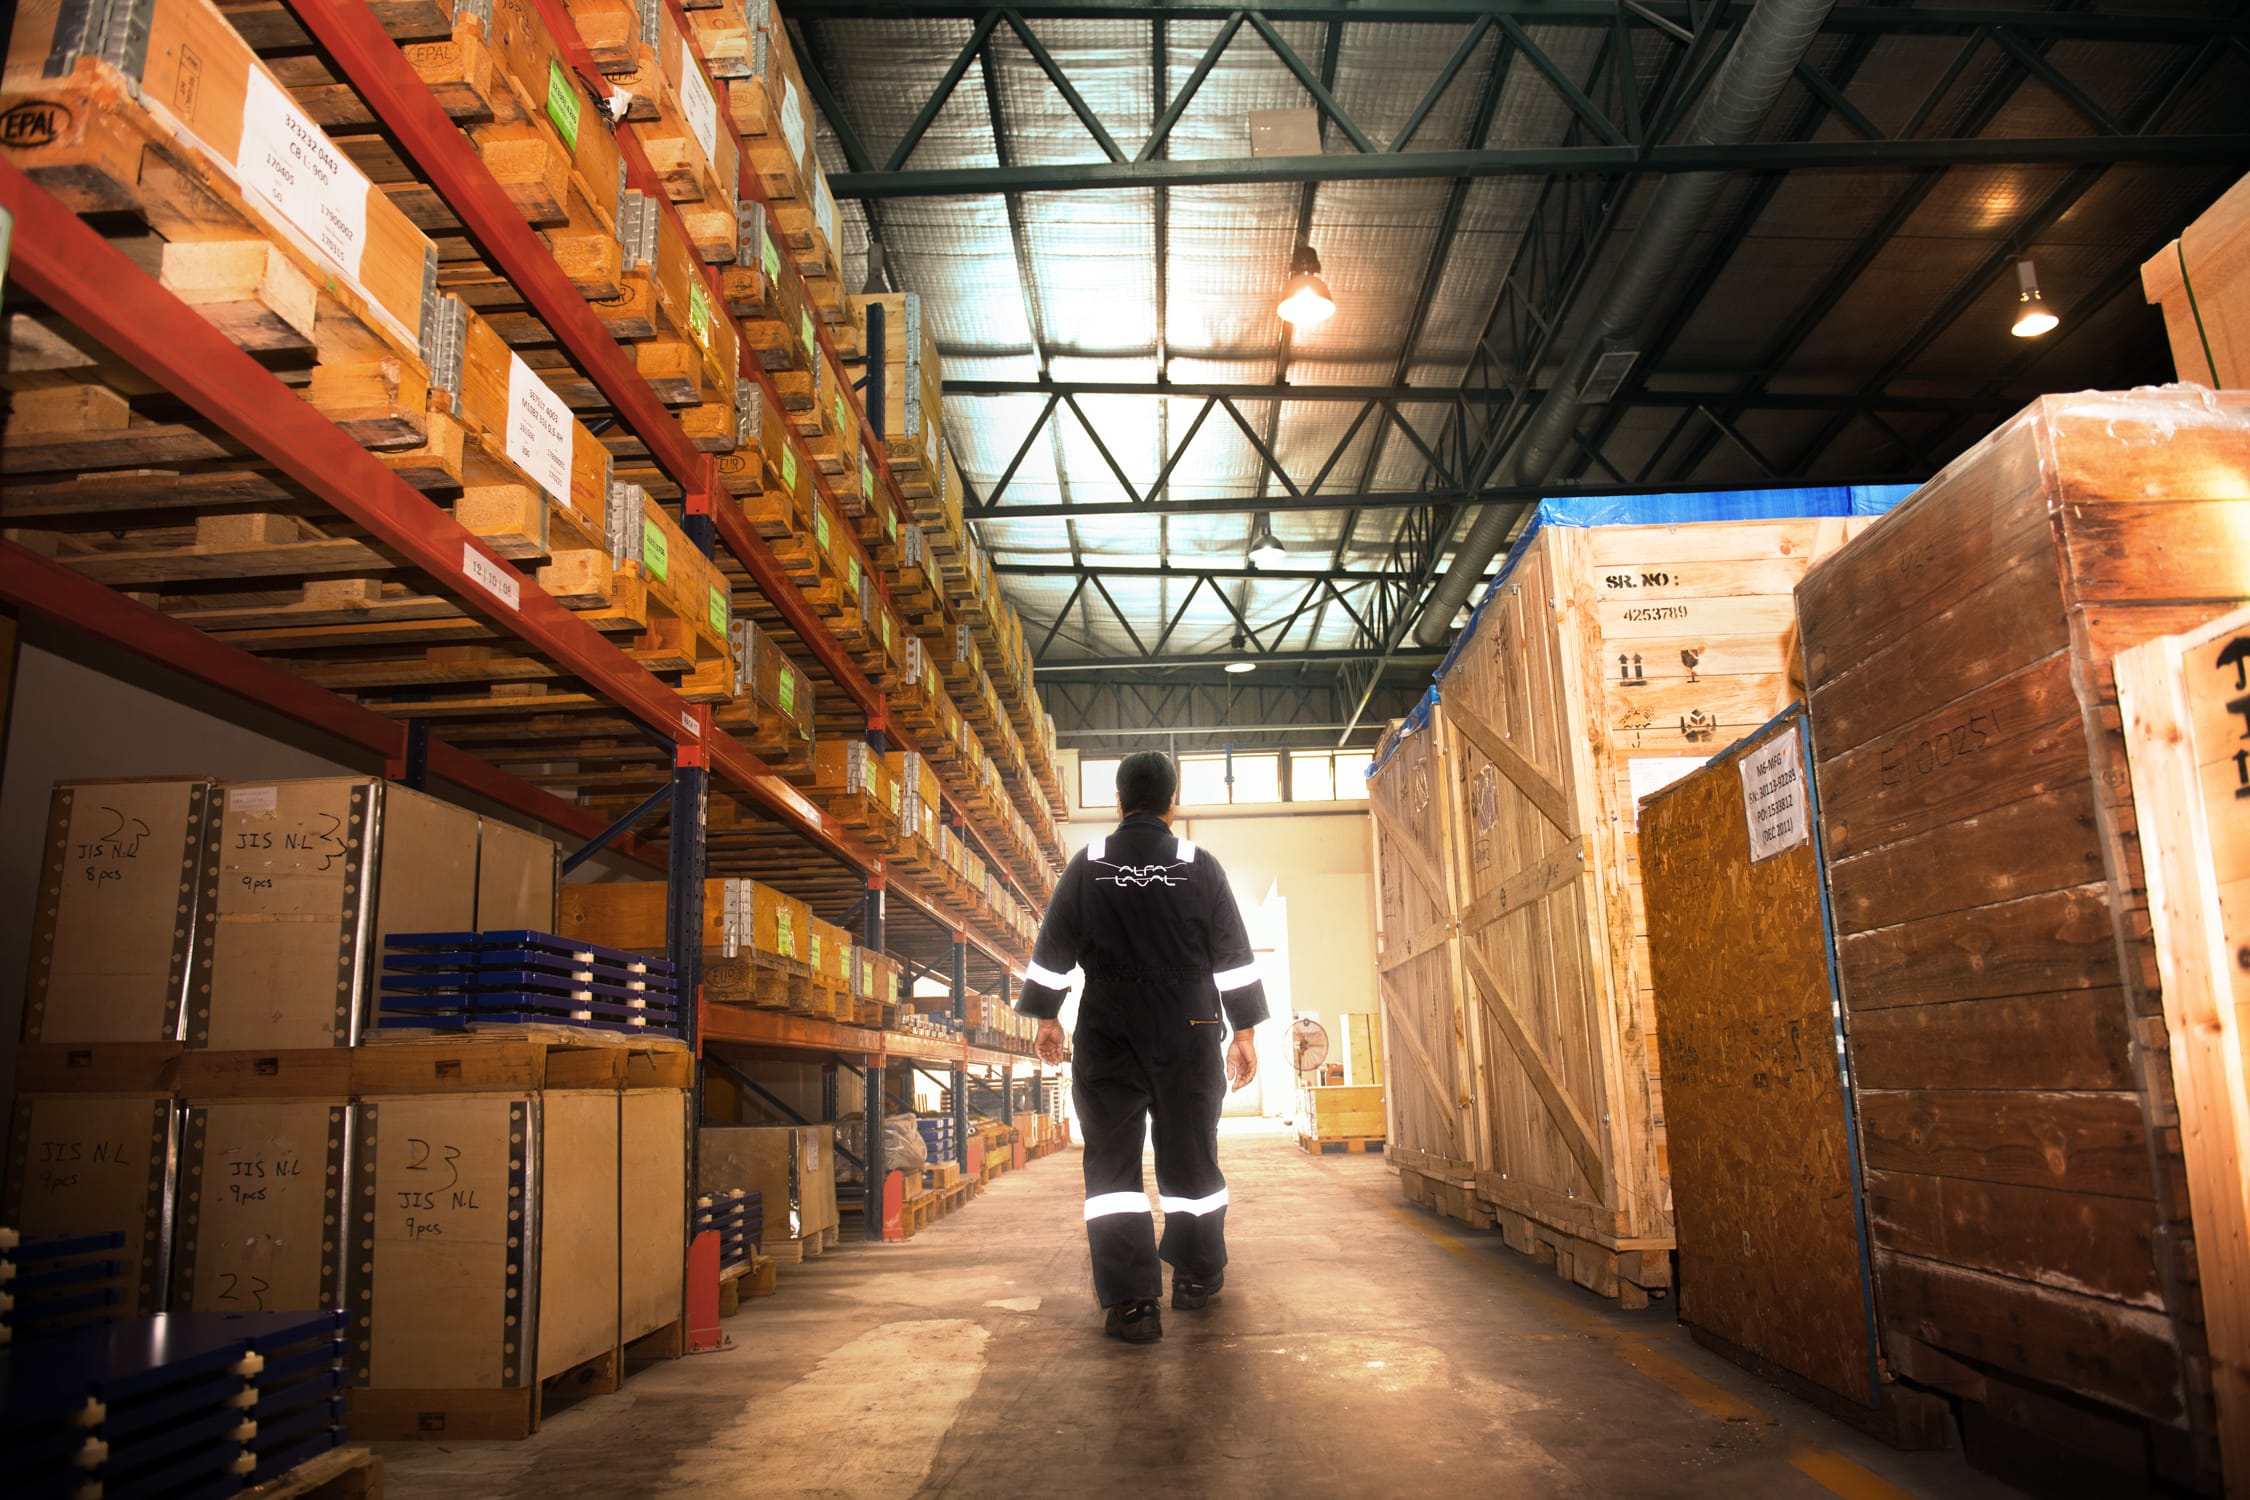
1364	1347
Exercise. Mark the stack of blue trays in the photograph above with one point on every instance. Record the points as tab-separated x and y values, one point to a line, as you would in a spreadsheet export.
56	1281
454	980
937	1136
300	1410
179	1404
727	1214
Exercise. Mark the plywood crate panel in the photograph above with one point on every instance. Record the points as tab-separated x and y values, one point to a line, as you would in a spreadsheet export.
1758	1110
652	1210
489	1226
2202	282
1417	961
99	1164
115	936
1993	933
1605	660
792	1165
264	1210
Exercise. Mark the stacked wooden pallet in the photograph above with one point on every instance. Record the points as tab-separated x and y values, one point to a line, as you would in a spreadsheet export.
197	1035
362	289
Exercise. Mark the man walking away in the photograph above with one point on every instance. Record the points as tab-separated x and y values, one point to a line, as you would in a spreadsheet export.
1153	922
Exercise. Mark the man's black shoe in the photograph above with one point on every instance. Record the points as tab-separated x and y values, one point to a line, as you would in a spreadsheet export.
1139	1322
1190	1293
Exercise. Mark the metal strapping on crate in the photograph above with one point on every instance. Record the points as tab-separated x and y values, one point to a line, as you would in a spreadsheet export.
445	343
430	303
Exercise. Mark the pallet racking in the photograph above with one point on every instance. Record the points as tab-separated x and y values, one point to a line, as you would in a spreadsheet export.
663	756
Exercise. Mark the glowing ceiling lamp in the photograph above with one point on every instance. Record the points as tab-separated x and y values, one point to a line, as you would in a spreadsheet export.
1240	665
1265	548
1305	298
2033	316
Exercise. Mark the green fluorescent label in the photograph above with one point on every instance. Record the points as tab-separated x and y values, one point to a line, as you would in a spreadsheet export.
789	469
699	312
812	339
866	481
717	609
562	103
772	256
890	522
843	413
854	562
814	940
784	930
886	632
656	552
820	528
788	693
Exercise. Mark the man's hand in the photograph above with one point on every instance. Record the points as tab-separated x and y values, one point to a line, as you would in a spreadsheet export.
1242	1061
1049	1043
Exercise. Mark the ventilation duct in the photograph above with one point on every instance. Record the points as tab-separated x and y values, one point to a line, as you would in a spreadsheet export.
1773	41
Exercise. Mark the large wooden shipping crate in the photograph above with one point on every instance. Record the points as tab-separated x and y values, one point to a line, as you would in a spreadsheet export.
1758	1113
99	1164
794	1166
2035	1249
115	941
489	1233
264	1206
1606	660
2186	707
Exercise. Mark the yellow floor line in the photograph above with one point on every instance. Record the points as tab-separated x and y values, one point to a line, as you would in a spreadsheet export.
1825	1467
1839	1475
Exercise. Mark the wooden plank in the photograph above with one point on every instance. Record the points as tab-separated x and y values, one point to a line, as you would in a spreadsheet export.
1431	1078
1577	1133
2085	1142
2067	1039
1405	952
2073	1242
1417	859
1536	786
1526	886
2185	721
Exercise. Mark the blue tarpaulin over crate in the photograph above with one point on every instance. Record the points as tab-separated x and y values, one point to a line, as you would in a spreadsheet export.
1801	503
1804	503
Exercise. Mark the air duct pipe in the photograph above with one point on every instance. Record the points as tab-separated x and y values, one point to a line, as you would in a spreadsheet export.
1773	42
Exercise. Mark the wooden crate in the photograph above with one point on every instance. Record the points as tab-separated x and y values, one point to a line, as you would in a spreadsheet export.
489	1228
1605	660
1339	1111
652	1212
113	943
794	1166
2202	281
264	1206
1363	1048
2003	995
99	1164
2183	699
1759	1128
310	876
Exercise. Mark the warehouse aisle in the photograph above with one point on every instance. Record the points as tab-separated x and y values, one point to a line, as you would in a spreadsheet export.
1363	1348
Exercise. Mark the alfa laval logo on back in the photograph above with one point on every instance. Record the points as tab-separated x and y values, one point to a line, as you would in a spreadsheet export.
35	122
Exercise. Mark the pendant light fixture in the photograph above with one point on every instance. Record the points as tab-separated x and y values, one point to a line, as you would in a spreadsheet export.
2033	316
1243	665
1265	548
1305	298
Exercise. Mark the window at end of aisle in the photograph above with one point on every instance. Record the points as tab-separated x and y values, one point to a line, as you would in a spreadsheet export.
1312	778
1203	781
1097	782
1257	778
1351	777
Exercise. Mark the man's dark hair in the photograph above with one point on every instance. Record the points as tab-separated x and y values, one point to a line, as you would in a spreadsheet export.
1146	782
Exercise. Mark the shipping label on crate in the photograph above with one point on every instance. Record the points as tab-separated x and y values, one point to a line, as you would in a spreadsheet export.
288	162
699	312
700	107
538	437
562	103
1774	803
793	119
785	690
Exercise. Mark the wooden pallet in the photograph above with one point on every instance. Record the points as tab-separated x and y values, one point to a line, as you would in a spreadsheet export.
1340	1145
667	1342
508	1414
338	1474
750	1278
1628	1276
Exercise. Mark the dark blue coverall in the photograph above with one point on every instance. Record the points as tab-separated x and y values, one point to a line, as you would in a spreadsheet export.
1155	925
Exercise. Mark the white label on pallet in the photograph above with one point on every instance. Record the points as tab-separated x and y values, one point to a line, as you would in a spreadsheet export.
1773	798
701	109
491	577
252	799
793	120
287	162
538	430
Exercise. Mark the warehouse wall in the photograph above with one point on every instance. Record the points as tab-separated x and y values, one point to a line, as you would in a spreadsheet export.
1305	880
